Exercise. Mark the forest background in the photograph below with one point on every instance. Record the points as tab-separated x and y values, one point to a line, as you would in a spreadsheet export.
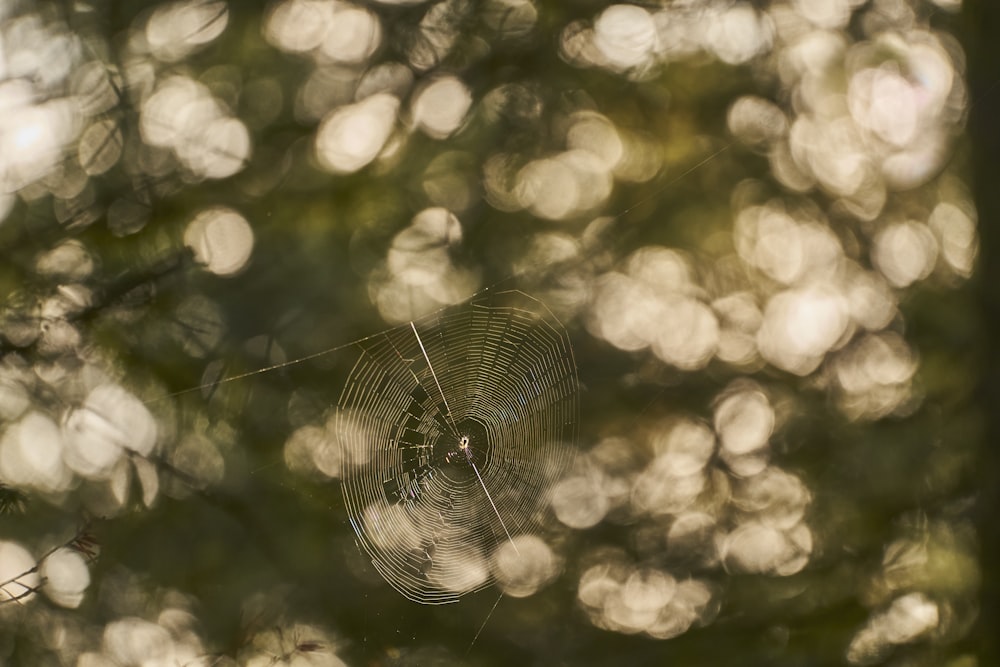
767	230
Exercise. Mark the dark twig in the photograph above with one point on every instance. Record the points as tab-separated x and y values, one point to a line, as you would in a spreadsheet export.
82	542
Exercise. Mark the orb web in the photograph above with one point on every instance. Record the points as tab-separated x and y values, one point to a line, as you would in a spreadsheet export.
466	418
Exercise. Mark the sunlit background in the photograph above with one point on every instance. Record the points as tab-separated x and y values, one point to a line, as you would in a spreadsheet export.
754	219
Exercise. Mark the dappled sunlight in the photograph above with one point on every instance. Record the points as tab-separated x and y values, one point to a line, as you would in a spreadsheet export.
183	116
34	135
390	528
221	240
774	497
706	497
625	35
829	14
133	640
310	449
104	440
66	577
677	477
420	274
875	376
904	252
564	185
632	40
737	34
17	570
568	184
331	32
870	301
110	422
67	261
298	26
744	420
524	565
883	102
739	318
95	444
593	132
660	490
352	36
38	120
353	135
801	325
420	253
31	453
786	249
920	591
579	501
757	122
901	97
177	29
629	599
958	241
440	106
656	304
758	548
331	448
909	618
457	568
615	303
642	156
741	224
832	152
684	448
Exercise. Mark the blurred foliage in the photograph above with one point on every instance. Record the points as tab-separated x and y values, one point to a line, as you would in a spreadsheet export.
752	217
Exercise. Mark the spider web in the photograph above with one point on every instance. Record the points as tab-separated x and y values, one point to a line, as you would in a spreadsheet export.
455	426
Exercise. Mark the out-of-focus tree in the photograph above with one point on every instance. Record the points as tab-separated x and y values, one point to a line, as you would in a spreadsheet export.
753	219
